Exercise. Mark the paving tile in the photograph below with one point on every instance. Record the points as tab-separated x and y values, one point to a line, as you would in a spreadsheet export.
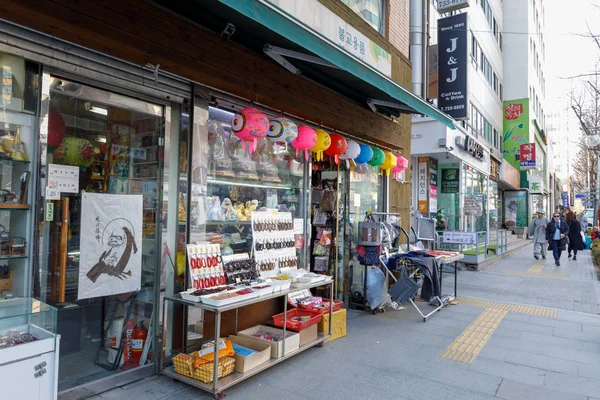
591	329
579	318
554	323
517	344
493	352
591	347
572	384
578	335
517	317
574	355
503	331
503	369
542	362
526	327
538	338
511	390
588	371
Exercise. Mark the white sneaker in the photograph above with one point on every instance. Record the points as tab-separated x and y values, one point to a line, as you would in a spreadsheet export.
95	340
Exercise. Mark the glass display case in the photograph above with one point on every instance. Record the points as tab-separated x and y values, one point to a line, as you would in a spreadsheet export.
25	315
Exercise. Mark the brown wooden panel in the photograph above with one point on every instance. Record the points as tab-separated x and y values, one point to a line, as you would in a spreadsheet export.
248	317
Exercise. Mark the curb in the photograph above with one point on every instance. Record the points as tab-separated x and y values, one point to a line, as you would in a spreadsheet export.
488	263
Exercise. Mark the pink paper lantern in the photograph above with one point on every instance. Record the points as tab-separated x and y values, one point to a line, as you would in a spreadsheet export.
401	165
250	125
307	138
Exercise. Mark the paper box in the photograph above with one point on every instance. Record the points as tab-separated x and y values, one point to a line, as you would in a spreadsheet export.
243	364
308	335
338	326
292	339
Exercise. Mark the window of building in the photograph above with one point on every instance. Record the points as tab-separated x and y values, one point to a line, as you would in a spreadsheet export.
371	11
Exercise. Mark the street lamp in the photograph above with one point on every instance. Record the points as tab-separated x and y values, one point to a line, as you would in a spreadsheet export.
592	142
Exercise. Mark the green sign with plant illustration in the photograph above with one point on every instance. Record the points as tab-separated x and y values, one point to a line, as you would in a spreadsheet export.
516	130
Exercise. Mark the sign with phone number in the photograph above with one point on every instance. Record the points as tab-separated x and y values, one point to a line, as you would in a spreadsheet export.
460	237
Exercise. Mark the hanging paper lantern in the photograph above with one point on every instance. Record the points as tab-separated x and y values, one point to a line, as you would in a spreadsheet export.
323	143
56	128
282	131
77	152
307	138
388	163
366	153
352	151
337	148
401	165
250	125
378	157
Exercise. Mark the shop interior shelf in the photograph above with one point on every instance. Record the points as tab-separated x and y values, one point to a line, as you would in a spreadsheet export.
11	206
7	161
12	257
145	162
249	183
237	377
228	222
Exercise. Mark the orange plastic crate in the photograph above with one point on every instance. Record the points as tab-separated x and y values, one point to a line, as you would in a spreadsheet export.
298	319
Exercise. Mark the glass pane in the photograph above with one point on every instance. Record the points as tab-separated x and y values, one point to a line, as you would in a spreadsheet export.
113	142
369	10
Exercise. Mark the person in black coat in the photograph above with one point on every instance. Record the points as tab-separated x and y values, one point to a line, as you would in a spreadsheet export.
556	234
575	239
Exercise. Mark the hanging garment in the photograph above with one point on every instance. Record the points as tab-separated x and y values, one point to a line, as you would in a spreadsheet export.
429	268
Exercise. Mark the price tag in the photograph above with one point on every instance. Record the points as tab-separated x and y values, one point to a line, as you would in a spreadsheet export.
49	212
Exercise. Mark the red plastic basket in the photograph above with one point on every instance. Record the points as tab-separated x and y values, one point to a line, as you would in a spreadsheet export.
312	318
337	305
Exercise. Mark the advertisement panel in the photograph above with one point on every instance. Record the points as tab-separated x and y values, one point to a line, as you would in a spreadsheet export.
433	184
515	209
450	180
452	65
422	184
515	130
527	155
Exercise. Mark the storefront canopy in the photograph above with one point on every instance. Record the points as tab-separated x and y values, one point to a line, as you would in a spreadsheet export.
264	28
381	90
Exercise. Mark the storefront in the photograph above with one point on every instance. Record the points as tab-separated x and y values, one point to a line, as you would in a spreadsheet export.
134	165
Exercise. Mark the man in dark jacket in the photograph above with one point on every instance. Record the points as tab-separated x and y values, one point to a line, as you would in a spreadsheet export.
556	232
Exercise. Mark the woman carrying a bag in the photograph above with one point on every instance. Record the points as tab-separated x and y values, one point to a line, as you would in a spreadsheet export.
575	235
556	235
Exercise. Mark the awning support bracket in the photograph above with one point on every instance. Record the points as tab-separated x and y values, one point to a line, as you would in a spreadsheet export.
278	54
373	103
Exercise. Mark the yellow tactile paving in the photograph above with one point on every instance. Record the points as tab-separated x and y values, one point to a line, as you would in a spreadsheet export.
470	342
535	270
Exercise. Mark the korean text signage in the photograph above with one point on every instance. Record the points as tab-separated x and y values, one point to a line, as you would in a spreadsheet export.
494	170
326	23
433	184
565	199
460	237
422	184
527	156
452	67
470	145
450	179
535	184
515	130
445	6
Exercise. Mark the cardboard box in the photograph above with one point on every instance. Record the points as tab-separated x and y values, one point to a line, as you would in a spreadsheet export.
6	281
243	364
338	326
292	339
308	335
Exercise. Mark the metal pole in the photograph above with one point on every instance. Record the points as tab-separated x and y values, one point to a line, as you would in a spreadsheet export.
596	191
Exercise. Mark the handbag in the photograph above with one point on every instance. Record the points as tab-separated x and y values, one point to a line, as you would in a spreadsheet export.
328	199
316	194
404	288
369	232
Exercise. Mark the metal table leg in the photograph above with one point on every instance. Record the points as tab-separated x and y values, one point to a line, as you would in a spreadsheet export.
216	363
455	277
285	300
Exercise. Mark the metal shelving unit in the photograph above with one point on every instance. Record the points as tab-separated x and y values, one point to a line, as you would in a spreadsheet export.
217	386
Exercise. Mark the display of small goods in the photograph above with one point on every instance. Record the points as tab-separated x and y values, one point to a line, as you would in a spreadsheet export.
239	268
15	337
12	147
200	364
205	264
11	246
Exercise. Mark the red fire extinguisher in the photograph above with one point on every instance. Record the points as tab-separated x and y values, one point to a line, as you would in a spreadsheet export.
140	333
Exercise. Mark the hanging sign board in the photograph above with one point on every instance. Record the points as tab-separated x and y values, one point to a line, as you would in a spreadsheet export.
452	65
444	6
460	237
110	245
527	156
423	188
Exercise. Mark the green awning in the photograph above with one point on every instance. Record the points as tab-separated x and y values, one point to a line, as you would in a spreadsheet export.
297	32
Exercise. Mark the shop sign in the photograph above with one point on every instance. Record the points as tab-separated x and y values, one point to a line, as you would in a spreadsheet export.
422	184
535	184
515	208
471	146
565	199
515	130
452	67
460	237
327	25
444	6
433	184
494	170
64	178
110	244
450	180
473	206
527	156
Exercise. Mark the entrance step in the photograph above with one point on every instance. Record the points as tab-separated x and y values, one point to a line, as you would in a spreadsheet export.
512	247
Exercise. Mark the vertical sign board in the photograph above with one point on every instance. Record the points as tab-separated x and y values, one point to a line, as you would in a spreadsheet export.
422	184
527	156
536	185
433	184
452	65
516	130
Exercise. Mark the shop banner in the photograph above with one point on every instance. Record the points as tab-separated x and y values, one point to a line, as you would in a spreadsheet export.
110	245
450	180
515	209
536	184
452	67
515	130
328	25
527	156
422	184
433	184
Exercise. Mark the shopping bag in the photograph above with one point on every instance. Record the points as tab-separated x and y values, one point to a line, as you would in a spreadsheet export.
405	288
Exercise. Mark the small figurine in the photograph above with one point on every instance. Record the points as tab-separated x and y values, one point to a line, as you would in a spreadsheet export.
227	211
214	209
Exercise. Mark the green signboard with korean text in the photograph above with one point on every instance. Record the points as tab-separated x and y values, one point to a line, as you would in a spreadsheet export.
515	129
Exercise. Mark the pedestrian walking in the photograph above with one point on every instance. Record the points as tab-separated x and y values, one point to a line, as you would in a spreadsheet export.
576	235
537	229
556	235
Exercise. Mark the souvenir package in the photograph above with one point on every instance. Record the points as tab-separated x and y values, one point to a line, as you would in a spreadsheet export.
220	160
274	242
266	169
205	264
239	268
243	166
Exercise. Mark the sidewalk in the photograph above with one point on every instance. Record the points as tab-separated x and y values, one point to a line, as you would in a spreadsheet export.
525	353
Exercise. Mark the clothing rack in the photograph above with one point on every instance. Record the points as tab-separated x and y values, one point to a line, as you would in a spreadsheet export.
383	260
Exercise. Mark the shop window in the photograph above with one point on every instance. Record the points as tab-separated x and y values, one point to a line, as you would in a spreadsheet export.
372	11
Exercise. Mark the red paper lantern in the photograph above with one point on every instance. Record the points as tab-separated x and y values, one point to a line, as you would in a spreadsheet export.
337	148
56	128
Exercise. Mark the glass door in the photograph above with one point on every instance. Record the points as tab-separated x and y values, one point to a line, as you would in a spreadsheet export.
101	177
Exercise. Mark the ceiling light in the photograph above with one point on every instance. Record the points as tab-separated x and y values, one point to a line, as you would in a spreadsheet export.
98	110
